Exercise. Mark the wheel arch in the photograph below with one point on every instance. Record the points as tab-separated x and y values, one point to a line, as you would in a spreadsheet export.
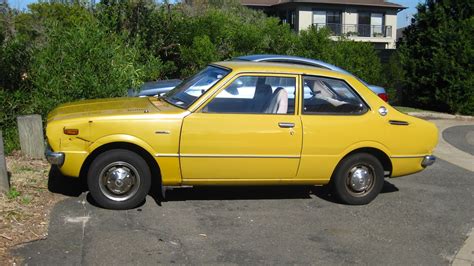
377	153
149	159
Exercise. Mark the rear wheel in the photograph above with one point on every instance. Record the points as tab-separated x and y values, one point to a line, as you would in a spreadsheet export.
358	179
119	179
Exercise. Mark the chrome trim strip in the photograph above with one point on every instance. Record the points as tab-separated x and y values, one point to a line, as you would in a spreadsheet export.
239	156
166	155
407	156
226	156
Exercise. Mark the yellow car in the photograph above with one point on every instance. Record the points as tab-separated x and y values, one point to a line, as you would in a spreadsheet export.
241	123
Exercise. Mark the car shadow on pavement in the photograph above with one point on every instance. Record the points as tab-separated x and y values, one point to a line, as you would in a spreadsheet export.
65	185
325	192
238	193
257	192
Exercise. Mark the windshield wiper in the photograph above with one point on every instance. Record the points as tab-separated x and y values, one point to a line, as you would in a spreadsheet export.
169	100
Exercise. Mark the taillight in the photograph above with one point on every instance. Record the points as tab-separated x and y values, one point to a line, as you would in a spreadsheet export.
383	96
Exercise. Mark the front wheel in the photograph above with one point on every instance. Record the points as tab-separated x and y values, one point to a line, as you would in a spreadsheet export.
358	179
119	179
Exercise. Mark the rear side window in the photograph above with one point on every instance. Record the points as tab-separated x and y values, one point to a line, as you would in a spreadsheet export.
330	96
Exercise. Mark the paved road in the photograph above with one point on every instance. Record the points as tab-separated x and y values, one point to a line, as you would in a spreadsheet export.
461	137
418	219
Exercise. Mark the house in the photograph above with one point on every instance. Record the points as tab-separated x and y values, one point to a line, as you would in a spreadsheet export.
372	21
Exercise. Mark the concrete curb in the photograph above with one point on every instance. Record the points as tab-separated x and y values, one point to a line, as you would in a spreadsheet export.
449	153
433	115
465	255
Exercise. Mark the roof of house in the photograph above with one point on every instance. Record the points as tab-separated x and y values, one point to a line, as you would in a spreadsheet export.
378	3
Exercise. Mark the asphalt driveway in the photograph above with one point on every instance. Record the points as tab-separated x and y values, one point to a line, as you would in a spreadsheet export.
418	219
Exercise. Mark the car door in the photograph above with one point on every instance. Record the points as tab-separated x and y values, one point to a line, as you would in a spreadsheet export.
248	132
334	118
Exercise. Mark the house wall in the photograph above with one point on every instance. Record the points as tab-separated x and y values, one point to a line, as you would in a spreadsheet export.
350	16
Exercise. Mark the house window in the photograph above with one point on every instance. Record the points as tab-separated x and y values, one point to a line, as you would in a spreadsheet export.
328	18
370	24
376	23
291	18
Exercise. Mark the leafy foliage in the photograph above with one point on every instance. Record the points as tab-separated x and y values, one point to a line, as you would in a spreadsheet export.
437	56
81	61
56	53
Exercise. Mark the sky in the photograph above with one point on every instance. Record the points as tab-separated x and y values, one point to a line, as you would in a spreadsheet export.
404	17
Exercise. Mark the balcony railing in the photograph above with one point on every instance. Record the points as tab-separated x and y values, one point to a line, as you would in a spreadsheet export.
357	30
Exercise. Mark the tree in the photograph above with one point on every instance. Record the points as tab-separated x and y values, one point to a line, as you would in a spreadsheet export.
437	55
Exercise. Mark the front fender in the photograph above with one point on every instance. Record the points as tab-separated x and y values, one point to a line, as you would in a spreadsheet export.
121	138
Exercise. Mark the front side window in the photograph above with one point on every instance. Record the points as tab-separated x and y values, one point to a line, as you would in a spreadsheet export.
191	89
330	96
256	95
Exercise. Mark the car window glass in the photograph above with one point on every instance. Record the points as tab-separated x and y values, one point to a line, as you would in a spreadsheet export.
256	95
191	89
330	96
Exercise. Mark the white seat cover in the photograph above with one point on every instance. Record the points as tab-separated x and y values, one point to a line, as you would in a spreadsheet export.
278	103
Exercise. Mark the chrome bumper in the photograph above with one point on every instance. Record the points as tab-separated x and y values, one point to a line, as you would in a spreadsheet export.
428	160
54	158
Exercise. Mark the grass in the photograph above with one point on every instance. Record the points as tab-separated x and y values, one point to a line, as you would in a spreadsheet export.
13	193
25	208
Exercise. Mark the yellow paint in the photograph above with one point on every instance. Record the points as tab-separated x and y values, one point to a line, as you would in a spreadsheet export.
193	147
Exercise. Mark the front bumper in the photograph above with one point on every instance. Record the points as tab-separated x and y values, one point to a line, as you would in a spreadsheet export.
55	158
428	160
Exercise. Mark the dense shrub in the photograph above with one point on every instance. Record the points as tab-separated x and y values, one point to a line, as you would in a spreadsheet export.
82	61
437	55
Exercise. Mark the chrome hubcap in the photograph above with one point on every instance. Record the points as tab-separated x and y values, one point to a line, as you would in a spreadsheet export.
360	179
119	181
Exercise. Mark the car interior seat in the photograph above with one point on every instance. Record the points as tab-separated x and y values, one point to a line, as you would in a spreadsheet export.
279	102
262	97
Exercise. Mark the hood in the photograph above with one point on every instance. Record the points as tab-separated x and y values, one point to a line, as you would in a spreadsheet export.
104	107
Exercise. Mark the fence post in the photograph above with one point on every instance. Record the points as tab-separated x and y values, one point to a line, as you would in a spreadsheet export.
30	130
4	183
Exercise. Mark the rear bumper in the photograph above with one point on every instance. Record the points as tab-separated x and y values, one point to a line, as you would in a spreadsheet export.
428	160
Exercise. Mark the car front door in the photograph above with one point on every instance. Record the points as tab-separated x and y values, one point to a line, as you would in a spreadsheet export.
248	132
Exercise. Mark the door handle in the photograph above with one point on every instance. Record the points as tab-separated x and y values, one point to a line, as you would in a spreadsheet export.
286	125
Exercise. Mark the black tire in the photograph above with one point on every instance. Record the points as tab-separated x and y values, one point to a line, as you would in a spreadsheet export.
346	181
115	171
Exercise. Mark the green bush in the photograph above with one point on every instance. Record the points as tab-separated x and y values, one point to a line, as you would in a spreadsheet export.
82	61
437	55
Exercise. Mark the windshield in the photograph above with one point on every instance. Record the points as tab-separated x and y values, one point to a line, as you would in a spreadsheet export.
191	89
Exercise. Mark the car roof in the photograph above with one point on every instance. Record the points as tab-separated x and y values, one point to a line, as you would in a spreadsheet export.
270	67
292	60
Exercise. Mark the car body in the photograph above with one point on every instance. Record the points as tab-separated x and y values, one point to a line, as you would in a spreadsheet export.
160	87
241	123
